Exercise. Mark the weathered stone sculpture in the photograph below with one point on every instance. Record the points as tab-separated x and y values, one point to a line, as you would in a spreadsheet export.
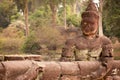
18	70
33	70
90	46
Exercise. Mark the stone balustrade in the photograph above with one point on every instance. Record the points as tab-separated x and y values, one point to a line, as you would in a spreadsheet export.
35	70
20	57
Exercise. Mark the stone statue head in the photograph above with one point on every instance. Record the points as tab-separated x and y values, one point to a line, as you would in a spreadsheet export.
90	19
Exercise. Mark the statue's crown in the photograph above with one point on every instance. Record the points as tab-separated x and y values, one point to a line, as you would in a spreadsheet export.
91	12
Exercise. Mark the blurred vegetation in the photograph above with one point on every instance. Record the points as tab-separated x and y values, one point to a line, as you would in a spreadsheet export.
44	38
73	20
111	18
7	10
40	17
11	40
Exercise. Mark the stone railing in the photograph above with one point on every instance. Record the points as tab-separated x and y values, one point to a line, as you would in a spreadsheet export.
20	57
34	70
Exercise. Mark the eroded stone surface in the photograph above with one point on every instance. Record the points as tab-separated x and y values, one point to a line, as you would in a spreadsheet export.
34	70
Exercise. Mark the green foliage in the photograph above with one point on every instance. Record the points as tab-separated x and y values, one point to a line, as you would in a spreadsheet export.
16	16
111	18
7	9
68	10
11	39
20	4
70	1
41	12
30	45
73	20
46	36
12	32
10	45
40	17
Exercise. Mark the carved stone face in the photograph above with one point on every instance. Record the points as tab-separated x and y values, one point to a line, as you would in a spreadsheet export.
89	27
90	19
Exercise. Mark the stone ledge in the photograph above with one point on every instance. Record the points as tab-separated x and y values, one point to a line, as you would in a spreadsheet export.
20	57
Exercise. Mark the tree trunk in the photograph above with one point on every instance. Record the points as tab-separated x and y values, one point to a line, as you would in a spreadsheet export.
74	7
64	5
32	5
26	17
78	8
100	18
54	13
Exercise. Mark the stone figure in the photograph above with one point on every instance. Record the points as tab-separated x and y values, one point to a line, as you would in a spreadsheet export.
90	46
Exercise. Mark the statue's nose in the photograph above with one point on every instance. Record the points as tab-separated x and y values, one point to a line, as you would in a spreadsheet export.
88	25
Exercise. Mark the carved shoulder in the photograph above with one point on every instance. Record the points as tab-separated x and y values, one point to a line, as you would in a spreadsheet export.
105	40
107	49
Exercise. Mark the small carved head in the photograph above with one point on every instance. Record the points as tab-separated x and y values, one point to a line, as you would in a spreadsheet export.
90	19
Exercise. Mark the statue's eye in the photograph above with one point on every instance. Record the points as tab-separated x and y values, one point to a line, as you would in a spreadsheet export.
85	23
